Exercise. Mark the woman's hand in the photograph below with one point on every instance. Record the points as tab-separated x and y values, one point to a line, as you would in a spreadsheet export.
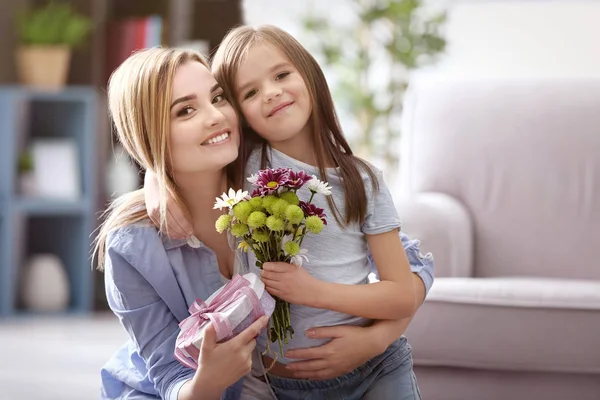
220	365
291	283
351	347
179	226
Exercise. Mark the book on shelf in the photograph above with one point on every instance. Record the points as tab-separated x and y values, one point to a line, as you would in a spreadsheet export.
125	36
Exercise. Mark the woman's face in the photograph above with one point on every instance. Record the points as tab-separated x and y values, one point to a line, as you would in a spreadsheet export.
204	126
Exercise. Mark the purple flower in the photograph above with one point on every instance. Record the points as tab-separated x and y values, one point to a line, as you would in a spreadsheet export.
297	179
311	209
257	193
269	180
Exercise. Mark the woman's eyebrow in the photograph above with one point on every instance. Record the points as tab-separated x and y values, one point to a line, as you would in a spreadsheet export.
183	99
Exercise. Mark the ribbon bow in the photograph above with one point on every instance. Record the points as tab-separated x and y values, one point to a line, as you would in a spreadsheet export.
201	313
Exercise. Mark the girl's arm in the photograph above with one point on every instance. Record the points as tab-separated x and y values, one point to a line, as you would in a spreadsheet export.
391	298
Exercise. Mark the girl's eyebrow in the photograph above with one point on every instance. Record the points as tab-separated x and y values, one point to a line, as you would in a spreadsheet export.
272	69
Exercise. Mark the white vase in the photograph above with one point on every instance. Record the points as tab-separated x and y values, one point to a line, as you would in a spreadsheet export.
45	285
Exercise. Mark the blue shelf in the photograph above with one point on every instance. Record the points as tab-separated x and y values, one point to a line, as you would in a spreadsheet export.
39	225
51	207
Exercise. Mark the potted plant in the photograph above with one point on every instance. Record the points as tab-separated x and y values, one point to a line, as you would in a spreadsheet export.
372	60
47	34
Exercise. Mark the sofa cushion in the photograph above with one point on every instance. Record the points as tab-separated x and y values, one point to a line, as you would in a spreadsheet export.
518	324
523	157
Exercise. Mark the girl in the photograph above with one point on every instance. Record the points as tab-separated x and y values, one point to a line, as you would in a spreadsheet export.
283	96
284	99
171	115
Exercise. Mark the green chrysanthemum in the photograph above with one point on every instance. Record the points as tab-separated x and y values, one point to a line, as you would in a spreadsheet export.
239	230
268	201
278	208
242	210
257	219
260	236
275	224
257	204
291	248
223	223
314	224
294	214
290	197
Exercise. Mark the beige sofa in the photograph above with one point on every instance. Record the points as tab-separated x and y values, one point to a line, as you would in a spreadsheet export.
501	181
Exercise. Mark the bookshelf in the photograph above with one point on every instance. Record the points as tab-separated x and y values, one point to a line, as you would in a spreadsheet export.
32	225
23	221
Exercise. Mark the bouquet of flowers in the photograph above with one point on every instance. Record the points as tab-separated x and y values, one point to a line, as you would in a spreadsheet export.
272	222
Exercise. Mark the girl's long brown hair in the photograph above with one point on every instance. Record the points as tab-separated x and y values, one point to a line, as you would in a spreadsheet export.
328	139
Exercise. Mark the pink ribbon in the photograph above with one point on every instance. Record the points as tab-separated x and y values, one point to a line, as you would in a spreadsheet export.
201	313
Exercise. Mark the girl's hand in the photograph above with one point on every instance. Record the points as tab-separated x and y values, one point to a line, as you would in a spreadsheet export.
179	226
220	365
350	347
292	283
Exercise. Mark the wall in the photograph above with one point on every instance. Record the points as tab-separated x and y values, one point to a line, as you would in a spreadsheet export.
535	38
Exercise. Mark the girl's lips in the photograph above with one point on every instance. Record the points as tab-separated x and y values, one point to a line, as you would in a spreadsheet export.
280	107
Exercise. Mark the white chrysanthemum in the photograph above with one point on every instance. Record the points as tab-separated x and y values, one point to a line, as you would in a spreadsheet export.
318	186
252	178
298	258
230	199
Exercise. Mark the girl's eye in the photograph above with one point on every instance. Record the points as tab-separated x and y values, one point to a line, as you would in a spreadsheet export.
281	75
250	94
218	98
185	111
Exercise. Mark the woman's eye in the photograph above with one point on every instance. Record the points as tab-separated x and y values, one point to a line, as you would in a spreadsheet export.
218	98
250	94
185	111
281	75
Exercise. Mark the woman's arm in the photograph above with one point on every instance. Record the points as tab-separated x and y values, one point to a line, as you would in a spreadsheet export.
153	328
351	346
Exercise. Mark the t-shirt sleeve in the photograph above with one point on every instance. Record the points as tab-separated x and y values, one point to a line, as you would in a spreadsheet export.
381	215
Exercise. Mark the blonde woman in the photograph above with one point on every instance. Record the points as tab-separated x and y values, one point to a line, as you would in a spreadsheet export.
171	115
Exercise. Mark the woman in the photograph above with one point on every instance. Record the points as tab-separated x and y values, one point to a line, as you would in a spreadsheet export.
167	109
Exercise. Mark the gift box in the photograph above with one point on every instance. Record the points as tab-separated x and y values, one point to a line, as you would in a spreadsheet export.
231	309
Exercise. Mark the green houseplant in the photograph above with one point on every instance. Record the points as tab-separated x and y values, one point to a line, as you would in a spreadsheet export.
371	61
47	34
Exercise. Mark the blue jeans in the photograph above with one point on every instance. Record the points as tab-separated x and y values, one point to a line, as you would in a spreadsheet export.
389	376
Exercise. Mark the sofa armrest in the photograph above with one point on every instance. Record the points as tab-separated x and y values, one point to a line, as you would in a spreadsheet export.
444	227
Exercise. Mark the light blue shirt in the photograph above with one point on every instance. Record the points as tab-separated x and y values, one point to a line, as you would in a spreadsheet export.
150	283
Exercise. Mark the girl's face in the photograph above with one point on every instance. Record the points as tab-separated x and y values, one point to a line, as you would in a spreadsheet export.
204	126
273	96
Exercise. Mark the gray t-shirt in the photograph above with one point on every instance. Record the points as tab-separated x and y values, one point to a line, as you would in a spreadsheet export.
337	254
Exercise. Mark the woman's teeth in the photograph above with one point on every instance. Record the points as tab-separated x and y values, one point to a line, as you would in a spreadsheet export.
217	139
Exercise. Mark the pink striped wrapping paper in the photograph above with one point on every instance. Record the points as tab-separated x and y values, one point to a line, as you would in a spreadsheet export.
231	309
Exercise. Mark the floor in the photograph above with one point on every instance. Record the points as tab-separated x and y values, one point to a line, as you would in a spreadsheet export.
56	357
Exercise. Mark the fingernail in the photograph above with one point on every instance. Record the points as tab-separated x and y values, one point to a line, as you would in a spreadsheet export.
289	366
310	332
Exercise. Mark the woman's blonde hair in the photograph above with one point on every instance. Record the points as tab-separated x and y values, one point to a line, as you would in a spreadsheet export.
139	99
328	138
